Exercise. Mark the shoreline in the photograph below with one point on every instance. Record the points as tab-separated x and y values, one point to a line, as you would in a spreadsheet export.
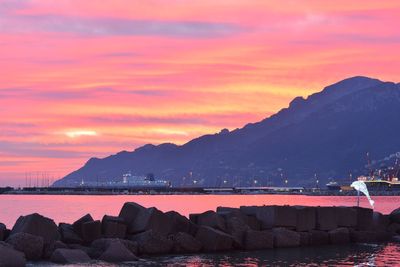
145	232
184	191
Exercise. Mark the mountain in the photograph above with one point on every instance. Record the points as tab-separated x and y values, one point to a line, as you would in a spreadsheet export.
327	134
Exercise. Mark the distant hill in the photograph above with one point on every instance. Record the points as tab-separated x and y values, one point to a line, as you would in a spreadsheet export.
327	134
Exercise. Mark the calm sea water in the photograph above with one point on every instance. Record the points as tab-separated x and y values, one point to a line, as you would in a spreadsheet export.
70	208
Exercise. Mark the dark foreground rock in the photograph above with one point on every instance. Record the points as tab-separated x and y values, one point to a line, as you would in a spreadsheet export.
185	243
256	240
140	231
10	257
67	256
38	225
152	242
30	245
117	252
214	240
284	238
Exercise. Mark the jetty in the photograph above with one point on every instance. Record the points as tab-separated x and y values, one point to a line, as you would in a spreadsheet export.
138	232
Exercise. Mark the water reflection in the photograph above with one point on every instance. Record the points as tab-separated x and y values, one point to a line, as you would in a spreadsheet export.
344	255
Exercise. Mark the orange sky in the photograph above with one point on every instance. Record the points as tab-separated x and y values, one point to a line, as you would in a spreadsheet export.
90	78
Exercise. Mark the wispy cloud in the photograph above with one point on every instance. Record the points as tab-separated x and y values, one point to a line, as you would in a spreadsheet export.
84	26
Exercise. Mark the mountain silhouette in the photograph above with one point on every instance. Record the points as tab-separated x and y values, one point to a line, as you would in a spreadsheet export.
326	135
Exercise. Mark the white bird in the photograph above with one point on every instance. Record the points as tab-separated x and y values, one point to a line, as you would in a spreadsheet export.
360	186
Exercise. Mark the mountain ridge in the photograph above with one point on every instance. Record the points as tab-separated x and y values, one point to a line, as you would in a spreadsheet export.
274	147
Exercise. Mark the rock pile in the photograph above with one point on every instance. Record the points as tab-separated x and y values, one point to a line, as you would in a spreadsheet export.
139	231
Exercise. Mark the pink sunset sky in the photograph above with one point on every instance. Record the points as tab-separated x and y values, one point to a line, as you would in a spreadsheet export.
83	79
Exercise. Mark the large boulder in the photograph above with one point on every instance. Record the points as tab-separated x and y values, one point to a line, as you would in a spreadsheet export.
3	230
237	228
306	218
318	237
305	239
214	240
152	242
339	236
130	211
380	221
91	231
369	236
99	246
30	245
273	216
150	219
68	234
178	223
326	218
395	216
394	228
364	219
68	256
77	225
185	243
229	213
209	218
117	252
38	225
256	240
10	257
113	227
285	238
49	249
346	217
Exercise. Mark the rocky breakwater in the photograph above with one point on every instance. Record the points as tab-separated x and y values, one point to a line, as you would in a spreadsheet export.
141	232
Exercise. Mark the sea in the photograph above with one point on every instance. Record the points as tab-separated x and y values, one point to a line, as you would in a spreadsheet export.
68	208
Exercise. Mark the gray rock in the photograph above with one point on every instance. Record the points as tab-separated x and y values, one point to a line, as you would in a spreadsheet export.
113	227
91	231
380	221
36	224
117	252
339	236
30	245
285	238
369	236
318	237
306	218
237	228
178	223
68	256
152	242
130	211
395	216
49	249
210	218
394	228
273	216
185	243
68	234
101	245
10	257
364	219
346	217
305	239
3	230
150	219
214	240
326	218
256	240
77	225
